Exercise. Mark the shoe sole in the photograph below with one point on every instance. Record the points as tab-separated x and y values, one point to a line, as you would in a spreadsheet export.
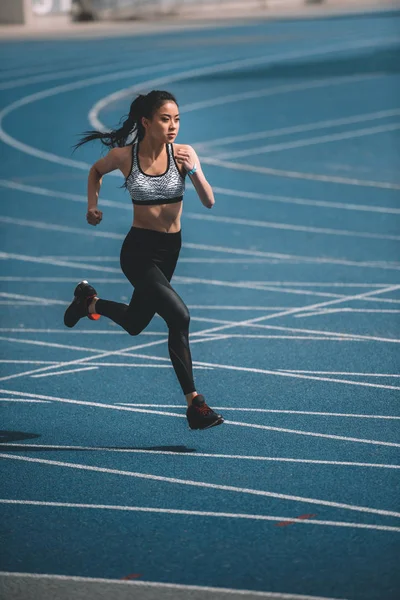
218	422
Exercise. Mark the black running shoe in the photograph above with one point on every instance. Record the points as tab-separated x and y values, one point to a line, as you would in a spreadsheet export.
201	416
78	308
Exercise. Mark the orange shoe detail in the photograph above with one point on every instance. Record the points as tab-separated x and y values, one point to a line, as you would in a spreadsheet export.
94	316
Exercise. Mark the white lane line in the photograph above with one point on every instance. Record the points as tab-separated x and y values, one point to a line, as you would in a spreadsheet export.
199	217
307	259
32	447
322	332
268	410
322	336
319	313
105	364
182	416
376	311
29	362
298	375
177	278
23	400
341	373
9	184
65	372
303	201
55	227
40	300
216	162
165	586
207	248
318	338
203	484
290	227
45	77
340	336
248	285
232	66
323	139
59	195
258	135
320	284
18	303
270	91
222	327
49	345
26	100
59	263
197	513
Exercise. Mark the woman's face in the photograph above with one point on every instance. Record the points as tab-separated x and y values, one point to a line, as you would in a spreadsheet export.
164	125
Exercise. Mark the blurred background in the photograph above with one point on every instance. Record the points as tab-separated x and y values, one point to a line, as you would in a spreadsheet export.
39	13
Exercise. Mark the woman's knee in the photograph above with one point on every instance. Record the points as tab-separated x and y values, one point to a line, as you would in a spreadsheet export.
181	319
133	329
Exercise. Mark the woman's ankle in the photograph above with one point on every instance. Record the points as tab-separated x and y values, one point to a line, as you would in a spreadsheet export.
189	397
92	306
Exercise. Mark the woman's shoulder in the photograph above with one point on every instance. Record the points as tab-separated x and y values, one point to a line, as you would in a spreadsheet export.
177	147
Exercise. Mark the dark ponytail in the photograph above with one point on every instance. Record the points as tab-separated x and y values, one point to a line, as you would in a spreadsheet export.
142	106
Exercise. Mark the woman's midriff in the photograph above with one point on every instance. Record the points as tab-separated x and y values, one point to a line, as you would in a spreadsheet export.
160	217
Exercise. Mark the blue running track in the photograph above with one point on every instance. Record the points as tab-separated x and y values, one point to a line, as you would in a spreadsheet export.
293	284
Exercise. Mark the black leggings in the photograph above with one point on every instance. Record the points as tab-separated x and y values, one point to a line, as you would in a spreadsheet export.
148	260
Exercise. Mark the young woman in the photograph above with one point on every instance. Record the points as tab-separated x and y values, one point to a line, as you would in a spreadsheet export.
154	169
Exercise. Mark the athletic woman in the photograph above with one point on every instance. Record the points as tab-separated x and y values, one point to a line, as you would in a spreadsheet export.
154	169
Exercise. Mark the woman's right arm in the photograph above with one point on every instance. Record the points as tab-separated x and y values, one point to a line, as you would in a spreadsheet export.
111	162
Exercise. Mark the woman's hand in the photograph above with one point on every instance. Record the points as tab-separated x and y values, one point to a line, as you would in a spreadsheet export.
94	216
186	157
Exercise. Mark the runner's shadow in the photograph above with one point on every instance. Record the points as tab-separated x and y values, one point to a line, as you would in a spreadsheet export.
7	437
16	436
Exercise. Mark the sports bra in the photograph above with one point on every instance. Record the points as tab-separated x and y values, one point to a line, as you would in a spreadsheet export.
146	189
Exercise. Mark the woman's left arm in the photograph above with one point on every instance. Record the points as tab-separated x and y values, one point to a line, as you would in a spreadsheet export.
188	158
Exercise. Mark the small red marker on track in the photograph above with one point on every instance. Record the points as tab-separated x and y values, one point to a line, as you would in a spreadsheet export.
132	576
300	518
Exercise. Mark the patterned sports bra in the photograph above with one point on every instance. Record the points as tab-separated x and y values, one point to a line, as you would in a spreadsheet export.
145	189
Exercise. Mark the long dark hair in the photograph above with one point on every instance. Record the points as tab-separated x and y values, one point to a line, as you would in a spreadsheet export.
142	106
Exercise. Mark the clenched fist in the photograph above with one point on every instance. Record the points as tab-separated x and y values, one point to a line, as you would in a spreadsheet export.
186	157
94	216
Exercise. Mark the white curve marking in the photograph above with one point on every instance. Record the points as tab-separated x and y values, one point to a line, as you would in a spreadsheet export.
301	201
68	87
38	300
66	372
360	118
290	227
269	410
279	89
31	447
182	416
196	513
223	327
24	401
299	174
342	373
81	198
203	484
219	190
54	75
225	67
323	139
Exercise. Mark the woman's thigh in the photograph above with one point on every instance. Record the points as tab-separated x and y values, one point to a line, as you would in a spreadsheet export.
154	294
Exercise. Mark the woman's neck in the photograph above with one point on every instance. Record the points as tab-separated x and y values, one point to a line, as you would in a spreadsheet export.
151	148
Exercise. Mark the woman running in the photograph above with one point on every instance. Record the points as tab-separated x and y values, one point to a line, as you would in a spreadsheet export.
154	169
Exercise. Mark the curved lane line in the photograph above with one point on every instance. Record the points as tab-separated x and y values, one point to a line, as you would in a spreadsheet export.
203	484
